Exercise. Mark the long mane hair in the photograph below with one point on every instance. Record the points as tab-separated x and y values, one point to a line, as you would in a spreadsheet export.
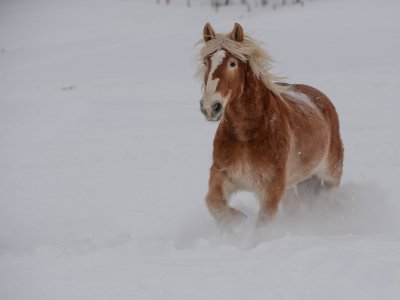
248	51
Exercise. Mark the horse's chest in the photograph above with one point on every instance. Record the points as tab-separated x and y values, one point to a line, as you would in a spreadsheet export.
244	163
242	176
243	171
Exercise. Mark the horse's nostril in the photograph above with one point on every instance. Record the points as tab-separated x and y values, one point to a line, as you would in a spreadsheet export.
216	107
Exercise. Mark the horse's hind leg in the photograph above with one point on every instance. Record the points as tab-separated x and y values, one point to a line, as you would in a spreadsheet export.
330	176
291	201
220	189
312	185
333	173
334	159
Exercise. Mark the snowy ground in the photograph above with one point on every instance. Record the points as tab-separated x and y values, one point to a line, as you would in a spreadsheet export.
104	155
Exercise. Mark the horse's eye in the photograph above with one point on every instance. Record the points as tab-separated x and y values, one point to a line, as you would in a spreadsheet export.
232	64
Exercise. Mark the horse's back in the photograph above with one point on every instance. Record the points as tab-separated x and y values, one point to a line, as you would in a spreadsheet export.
319	99
315	96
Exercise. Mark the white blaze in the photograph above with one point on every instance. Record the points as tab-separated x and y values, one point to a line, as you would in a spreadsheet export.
209	93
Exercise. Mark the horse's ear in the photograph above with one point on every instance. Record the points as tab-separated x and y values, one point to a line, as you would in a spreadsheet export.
237	33
208	32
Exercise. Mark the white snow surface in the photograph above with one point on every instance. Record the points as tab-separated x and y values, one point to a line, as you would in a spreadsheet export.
104	155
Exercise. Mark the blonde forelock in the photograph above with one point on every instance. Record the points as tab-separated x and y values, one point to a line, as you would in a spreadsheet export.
248	51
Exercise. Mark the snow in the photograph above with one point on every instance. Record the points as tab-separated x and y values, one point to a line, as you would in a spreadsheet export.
104	155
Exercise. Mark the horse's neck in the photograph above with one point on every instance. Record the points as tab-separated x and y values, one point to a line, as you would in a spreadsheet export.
246	115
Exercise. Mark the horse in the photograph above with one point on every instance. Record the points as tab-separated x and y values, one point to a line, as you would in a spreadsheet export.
271	137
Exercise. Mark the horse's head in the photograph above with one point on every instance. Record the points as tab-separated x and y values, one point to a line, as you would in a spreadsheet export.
224	73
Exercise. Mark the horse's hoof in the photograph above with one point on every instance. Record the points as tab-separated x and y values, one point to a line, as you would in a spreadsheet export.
232	218
264	220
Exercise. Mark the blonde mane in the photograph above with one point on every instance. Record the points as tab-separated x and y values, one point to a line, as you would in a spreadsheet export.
247	51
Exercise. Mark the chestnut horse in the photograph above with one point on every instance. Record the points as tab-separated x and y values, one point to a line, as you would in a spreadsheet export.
272	136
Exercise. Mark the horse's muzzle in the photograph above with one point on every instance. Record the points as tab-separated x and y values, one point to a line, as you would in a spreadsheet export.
213	112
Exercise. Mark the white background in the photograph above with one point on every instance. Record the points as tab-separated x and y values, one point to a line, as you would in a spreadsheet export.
104	155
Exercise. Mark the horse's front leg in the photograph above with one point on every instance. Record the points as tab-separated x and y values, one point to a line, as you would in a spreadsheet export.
270	195
217	199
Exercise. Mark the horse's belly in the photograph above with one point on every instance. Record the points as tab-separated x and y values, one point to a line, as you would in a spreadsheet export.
307	158
300	173
305	162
